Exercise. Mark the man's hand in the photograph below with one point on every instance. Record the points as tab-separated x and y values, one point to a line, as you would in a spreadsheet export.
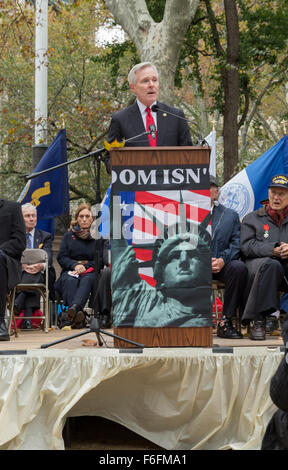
33	268
217	265
283	250
277	252
79	269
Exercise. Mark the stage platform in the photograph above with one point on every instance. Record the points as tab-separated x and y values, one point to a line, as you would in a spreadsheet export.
34	339
178	398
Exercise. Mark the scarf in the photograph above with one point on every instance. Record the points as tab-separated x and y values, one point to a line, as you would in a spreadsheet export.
277	216
83	233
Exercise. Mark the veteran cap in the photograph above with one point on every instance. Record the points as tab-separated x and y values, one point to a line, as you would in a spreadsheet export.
279	181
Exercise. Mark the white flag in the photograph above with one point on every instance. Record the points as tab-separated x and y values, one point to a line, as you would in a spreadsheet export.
211	140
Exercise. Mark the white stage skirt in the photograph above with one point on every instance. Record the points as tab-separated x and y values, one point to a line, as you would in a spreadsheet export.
178	398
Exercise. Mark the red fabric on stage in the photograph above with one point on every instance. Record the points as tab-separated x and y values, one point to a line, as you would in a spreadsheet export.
36	322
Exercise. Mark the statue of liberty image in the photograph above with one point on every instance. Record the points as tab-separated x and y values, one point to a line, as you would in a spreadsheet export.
182	271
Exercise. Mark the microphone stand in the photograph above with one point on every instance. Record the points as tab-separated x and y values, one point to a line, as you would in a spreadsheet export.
94	328
200	141
97	153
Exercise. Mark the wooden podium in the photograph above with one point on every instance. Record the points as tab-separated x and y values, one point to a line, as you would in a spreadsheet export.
138	157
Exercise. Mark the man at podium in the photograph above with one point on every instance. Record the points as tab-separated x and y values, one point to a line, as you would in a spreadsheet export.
167	126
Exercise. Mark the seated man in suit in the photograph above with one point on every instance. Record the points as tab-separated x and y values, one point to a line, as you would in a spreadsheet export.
12	244
138	118
32	273
226	266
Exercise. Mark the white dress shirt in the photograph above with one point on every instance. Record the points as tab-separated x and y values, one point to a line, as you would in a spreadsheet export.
142	108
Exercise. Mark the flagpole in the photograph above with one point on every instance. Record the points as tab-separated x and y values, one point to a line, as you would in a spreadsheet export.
41	81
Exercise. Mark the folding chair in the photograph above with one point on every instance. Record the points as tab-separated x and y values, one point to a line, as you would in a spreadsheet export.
10	298
217	291
32	256
218	288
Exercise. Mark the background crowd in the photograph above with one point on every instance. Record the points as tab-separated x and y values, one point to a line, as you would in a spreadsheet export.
249	257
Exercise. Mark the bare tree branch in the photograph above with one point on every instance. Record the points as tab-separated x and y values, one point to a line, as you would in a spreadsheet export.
161	42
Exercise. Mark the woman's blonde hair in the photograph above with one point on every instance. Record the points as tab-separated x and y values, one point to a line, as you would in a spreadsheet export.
80	208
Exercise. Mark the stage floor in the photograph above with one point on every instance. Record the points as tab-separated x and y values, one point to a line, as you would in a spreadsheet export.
34	339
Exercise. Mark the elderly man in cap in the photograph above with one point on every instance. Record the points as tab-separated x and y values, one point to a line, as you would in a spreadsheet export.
264	237
226	266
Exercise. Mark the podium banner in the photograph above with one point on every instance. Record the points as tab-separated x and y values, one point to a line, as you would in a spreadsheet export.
160	237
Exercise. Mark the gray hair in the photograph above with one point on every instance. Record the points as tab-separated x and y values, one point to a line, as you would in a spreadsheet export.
28	205
142	65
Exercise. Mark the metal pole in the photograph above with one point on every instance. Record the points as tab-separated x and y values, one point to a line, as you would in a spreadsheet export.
41	80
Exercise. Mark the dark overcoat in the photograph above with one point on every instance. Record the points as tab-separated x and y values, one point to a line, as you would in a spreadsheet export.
12	238
73	250
259	236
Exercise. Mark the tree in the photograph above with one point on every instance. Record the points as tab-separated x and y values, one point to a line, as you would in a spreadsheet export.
241	82
157	42
88	81
232	56
229	71
80	95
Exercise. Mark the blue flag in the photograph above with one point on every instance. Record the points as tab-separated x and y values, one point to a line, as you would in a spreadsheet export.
245	191
49	192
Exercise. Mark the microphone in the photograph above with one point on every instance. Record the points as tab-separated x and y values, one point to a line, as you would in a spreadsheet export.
155	108
152	129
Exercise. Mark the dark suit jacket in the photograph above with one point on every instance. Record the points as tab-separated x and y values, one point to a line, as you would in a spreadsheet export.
43	240
171	131
225	234
12	238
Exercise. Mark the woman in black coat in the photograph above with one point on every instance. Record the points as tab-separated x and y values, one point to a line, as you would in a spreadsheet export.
76	257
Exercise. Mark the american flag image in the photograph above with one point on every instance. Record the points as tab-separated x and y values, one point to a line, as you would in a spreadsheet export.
148	216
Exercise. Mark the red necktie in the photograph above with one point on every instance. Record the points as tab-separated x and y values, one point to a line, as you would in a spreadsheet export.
149	121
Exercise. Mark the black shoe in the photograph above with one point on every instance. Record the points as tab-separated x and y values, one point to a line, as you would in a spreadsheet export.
4	335
257	332
71	312
272	324
79	321
27	325
226	330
